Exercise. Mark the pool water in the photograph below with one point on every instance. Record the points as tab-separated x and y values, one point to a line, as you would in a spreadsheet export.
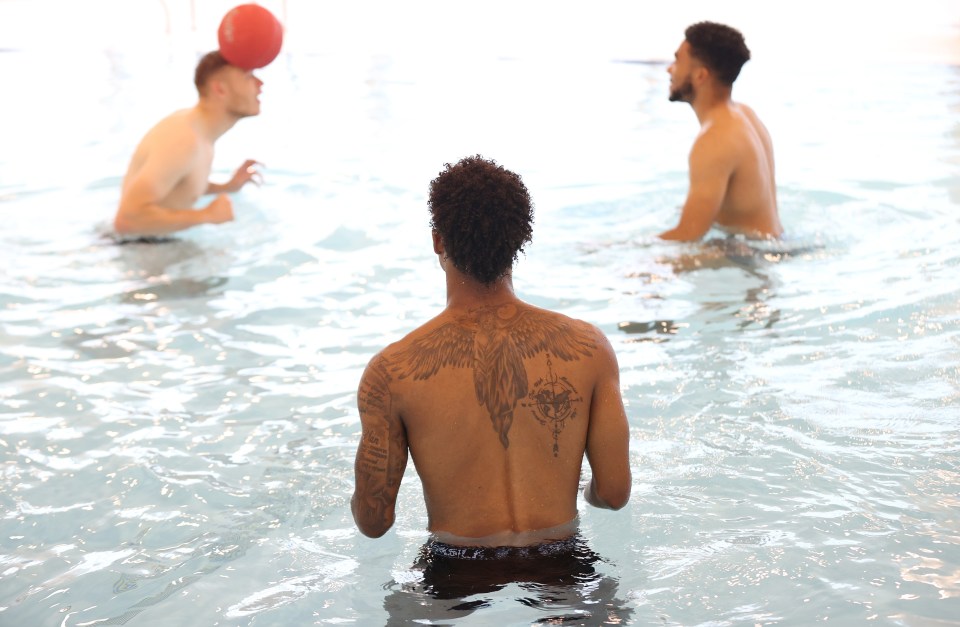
179	420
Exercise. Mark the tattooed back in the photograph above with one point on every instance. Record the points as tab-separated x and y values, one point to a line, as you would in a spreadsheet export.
497	406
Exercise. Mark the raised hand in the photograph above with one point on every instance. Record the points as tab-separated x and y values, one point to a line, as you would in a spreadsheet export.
246	173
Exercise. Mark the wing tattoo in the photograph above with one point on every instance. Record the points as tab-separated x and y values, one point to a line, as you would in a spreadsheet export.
448	345
494	341
535	333
500	380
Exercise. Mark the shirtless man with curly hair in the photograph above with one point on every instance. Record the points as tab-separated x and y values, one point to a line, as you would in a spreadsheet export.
496	401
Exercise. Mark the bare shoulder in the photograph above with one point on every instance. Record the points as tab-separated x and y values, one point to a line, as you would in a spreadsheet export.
604	348
437	329
440	342
575	324
170	151
451	340
394	352
752	119
576	331
177	121
177	132
717	139
746	110
729	136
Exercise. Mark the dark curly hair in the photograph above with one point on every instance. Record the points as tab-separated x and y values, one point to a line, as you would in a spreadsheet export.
720	48
208	65
484	216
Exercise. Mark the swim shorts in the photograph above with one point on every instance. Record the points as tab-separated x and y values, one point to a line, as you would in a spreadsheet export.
451	571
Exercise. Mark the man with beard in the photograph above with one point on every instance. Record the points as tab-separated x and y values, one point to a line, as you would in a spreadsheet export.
732	182
170	168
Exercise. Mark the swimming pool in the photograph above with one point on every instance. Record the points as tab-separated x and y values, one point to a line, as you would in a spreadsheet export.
178	420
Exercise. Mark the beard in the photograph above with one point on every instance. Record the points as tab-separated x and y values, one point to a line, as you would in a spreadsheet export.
683	93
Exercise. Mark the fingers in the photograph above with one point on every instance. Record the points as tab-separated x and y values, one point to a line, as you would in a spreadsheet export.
249	172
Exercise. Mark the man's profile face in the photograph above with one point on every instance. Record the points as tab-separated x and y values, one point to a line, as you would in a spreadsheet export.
681	70
242	91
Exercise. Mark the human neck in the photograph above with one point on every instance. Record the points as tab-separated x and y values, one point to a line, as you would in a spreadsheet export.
464	292
709	101
214	120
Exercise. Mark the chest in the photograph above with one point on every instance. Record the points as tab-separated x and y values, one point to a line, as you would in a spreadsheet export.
194	183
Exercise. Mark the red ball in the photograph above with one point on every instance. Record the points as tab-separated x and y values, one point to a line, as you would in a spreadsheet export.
250	36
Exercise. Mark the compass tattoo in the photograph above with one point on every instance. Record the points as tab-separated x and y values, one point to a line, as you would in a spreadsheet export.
552	401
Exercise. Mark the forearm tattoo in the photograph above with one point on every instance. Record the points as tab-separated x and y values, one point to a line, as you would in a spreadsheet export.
381	456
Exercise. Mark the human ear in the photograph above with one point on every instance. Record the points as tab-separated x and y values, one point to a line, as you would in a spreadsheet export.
700	74
218	85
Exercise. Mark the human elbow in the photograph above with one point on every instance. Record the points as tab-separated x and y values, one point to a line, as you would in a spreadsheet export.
609	495
372	531
371	526
131	219
685	233
617	499
123	225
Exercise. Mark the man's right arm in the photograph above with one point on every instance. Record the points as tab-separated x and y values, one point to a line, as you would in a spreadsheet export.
141	211
608	436
148	218
381	455
711	166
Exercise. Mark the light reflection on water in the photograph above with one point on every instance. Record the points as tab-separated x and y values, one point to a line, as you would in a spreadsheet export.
179	419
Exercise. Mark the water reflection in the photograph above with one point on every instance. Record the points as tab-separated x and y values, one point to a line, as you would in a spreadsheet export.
155	259
755	259
174	289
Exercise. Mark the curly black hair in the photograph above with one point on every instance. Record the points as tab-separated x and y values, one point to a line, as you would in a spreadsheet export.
484	216
719	47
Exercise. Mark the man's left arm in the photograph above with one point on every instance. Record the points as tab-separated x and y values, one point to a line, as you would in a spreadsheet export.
608	435
244	174
711	166
381	455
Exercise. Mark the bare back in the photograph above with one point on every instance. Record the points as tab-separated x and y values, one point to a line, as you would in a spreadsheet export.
732	183
750	204
171	163
498	405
